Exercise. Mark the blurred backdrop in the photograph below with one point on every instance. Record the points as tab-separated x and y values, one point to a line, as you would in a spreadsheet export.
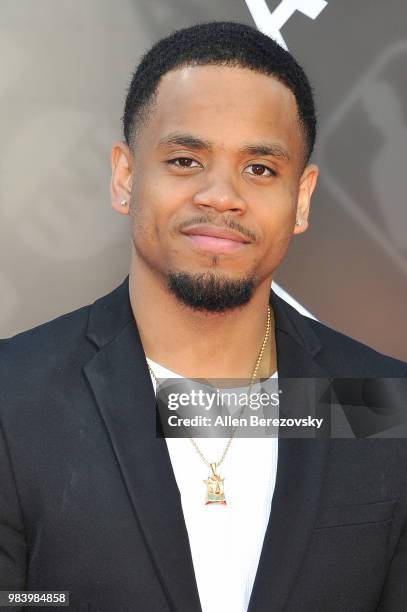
65	67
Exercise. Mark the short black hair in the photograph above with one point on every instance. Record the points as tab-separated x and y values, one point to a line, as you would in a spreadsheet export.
219	43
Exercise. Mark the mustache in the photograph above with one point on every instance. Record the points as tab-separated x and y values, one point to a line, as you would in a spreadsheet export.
224	222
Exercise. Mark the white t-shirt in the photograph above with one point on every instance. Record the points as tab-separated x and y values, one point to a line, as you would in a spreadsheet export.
225	540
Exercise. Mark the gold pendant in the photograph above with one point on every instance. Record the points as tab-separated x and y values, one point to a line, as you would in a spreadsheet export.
214	488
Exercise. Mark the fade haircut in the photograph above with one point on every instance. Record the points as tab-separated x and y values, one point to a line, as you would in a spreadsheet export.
222	43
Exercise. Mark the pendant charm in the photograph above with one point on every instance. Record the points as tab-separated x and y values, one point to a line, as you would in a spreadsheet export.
214	488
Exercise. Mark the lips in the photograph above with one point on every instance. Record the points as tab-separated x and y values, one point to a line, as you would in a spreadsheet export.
215	239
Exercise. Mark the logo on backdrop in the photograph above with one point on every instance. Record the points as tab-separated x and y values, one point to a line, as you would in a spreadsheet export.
371	188
271	22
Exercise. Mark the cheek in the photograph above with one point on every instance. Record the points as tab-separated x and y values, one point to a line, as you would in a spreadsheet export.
158	195
277	243
141	217
277	225
155	207
146	204
278	213
275	248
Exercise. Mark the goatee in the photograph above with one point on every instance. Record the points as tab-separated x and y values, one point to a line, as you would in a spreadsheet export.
209	291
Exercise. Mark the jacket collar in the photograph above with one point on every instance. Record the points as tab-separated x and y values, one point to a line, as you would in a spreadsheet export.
112	312
109	314
124	394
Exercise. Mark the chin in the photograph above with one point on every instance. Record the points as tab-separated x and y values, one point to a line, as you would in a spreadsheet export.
210	291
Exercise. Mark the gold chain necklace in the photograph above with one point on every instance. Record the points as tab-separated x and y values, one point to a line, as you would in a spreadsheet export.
214	484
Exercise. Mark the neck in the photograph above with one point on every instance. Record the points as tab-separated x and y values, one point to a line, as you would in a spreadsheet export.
198	343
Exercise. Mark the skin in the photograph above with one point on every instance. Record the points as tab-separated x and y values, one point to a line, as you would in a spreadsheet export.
259	192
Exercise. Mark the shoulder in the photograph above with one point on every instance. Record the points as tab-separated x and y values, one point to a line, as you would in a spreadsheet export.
348	355
335	351
37	361
46	339
43	366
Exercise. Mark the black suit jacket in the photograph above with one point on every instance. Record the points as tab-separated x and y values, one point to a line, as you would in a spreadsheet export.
89	502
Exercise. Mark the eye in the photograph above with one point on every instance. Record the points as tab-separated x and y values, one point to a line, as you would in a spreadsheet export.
261	170
183	162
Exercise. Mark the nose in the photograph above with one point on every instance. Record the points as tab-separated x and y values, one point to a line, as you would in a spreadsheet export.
219	193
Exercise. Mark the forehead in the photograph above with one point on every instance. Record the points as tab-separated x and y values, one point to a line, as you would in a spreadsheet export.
226	105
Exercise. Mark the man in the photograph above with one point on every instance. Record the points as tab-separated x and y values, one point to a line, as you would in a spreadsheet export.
214	174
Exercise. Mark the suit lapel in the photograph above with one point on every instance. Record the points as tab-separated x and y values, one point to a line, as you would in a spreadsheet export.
301	466
121	384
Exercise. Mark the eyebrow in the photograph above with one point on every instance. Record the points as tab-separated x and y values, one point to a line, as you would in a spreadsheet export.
193	142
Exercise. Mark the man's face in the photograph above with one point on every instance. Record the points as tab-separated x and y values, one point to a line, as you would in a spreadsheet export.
217	176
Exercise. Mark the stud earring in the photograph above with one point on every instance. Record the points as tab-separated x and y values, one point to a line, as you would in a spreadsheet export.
123	203
298	222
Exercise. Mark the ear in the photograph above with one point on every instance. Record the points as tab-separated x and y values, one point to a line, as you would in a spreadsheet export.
308	183
121	159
